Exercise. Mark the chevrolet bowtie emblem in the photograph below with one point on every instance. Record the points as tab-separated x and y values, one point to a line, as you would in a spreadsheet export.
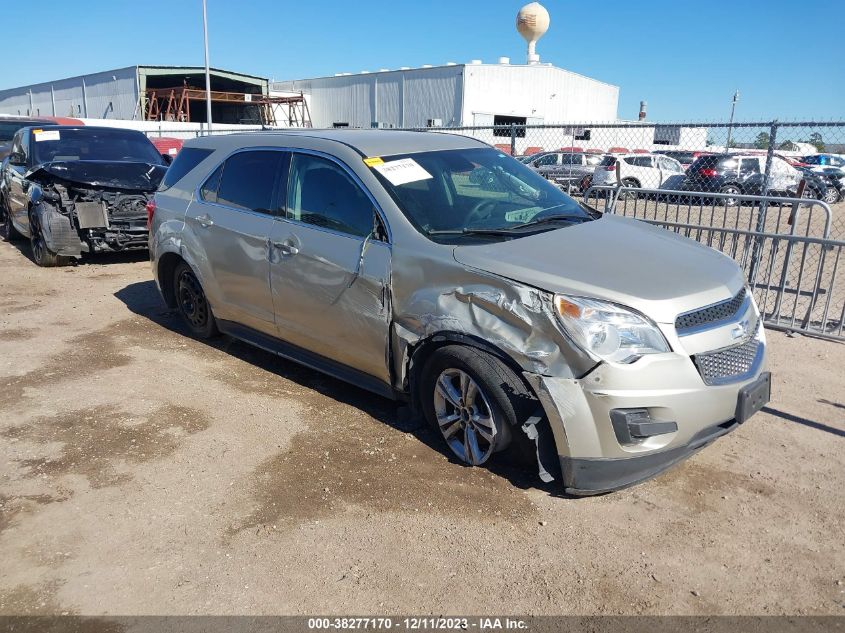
741	330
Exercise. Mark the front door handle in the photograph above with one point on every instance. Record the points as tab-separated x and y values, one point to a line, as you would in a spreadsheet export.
205	221
286	248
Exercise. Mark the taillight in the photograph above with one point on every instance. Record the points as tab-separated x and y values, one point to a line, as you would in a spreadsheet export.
151	210
611	167
708	173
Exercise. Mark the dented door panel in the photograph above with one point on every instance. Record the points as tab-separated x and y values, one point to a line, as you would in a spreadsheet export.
324	302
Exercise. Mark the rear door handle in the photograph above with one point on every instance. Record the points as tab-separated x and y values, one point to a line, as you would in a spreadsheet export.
205	221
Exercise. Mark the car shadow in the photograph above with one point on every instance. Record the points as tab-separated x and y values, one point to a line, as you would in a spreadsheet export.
143	299
804	421
118	257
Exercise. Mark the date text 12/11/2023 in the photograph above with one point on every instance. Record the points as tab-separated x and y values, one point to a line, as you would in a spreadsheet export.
421	623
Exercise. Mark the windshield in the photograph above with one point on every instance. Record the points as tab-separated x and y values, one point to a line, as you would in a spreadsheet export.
470	191
58	144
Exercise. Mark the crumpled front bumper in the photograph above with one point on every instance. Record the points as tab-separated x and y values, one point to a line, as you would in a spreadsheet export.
668	386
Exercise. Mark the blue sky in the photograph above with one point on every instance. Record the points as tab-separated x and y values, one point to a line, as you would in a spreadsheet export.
685	58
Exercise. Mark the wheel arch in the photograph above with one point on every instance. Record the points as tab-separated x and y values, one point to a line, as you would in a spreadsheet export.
420	352
165	268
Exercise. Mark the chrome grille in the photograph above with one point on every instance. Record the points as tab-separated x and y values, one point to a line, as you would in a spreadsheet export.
729	365
711	314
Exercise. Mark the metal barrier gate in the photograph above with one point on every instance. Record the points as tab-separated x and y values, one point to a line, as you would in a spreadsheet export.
784	246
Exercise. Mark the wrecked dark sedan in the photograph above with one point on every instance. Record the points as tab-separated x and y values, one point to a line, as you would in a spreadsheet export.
75	190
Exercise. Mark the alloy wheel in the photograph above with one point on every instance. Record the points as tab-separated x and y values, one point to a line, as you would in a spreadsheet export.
464	416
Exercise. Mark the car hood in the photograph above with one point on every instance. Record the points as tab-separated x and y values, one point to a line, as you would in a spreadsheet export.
625	261
97	173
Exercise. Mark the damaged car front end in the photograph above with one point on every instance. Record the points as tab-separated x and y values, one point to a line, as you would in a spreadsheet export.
82	190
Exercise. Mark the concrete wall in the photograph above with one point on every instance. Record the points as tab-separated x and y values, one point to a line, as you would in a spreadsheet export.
111	94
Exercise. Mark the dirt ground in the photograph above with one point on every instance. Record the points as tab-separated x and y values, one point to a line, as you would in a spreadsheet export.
143	472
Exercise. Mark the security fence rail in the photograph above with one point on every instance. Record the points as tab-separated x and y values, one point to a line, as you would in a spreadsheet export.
782	244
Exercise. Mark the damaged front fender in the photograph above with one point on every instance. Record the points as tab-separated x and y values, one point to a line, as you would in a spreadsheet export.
515	319
58	232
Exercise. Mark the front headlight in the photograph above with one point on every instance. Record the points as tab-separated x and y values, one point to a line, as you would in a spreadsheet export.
608	331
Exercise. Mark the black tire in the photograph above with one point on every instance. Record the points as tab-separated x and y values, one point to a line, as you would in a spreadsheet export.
510	402
191	303
631	184
731	190
41	254
7	229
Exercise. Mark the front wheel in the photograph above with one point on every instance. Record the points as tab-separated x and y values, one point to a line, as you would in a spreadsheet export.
474	400
192	304
41	253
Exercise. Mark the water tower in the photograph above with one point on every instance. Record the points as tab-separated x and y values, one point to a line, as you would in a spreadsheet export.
532	22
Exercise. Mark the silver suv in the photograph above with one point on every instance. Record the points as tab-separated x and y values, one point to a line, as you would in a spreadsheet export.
434	269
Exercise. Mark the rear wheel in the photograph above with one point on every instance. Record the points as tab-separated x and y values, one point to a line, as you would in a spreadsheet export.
831	196
474	400
731	190
7	229
630	183
192	304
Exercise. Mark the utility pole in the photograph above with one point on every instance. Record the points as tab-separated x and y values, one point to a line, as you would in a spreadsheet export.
731	124
207	71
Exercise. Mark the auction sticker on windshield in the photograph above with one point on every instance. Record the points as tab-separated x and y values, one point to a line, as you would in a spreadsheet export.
402	171
48	135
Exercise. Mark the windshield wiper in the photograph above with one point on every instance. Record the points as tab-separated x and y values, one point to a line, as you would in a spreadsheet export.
567	217
470	231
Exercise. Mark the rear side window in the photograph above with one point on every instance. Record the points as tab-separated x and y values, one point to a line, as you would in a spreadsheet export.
639	161
249	179
185	161
750	166
548	159
705	162
208	191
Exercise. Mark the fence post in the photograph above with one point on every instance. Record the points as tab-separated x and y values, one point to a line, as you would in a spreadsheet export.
756	252
513	139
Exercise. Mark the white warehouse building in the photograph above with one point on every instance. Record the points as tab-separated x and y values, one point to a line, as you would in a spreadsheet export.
582	110
455	95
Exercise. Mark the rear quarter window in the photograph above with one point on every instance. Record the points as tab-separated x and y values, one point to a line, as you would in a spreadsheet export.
185	161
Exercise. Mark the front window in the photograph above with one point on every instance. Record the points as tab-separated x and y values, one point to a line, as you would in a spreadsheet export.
322	194
113	145
477	194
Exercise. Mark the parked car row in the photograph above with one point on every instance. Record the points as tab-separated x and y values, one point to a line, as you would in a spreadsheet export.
734	173
745	174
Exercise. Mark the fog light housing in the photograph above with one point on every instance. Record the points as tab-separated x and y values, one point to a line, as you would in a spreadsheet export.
632	426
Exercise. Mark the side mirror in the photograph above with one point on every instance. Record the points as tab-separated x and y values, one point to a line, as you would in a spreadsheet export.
17	158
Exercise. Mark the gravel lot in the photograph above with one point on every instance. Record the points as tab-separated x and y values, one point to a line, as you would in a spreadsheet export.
142	472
